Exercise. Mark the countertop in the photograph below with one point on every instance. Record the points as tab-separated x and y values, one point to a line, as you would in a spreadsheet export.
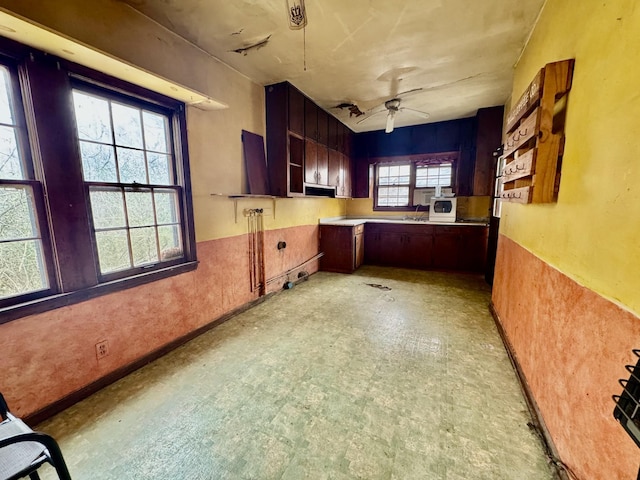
359	221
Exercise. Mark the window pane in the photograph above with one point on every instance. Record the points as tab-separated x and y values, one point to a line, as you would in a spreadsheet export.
144	246
166	206
10	164
107	208
92	118
155	132
6	114
113	250
405	170
17	213
127	125
394	171
140	208
21	268
159	169
131	164
98	162
170	242
383	171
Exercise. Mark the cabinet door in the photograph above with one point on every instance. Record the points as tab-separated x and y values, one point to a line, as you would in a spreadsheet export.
337	244
334	169
447	248
310	119
359	247
344	189
417	251
296	111
323	165
332	132
391	249
371	244
310	162
323	132
474	249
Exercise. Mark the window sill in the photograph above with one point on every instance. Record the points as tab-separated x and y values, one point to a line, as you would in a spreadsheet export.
65	299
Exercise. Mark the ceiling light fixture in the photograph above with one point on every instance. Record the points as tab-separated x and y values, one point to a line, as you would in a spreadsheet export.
392	106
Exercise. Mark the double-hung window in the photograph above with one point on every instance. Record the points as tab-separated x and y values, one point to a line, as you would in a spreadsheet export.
128	169
398	179
428	176
94	184
393	185
24	254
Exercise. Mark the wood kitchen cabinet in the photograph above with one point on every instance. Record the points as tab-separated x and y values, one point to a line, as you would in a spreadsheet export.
447	248
399	245
343	247
307	149
437	247
316	167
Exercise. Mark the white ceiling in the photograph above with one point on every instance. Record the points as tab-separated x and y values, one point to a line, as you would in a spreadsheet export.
461	53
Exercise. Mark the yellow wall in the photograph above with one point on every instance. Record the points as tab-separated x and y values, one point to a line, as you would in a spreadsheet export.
468	208
591	234
214	137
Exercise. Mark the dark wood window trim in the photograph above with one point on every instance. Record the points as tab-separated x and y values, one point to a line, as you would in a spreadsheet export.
413	160
45	84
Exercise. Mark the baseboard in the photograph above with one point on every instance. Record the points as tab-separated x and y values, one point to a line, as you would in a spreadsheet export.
73	398
551	451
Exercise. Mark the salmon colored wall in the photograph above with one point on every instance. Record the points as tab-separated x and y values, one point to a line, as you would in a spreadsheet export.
566	285
48	356
572	345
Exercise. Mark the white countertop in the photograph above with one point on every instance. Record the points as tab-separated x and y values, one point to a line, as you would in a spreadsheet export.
359	221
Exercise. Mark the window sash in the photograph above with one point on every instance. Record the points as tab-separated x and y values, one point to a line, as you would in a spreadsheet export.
434	175
72	272
426	171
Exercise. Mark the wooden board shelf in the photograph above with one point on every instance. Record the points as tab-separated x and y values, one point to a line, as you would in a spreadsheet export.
534	137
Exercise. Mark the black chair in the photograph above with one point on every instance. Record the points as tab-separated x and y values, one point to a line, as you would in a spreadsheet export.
23	451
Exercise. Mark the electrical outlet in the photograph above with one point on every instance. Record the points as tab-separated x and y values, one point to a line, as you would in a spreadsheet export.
102	349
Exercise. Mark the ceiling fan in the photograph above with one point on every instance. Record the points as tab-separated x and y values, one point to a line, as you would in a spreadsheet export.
392	107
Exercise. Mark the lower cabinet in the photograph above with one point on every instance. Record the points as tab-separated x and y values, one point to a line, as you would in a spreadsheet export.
343	247
399	245
437	247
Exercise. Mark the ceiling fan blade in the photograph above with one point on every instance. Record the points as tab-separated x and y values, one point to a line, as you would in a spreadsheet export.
414	90
390	120
369	116
417	112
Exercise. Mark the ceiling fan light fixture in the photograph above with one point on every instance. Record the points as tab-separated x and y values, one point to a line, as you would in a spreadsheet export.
390	120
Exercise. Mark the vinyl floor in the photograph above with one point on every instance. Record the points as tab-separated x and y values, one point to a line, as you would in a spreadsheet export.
384	374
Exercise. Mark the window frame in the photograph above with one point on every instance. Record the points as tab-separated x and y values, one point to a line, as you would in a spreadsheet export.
31	180
46	84
413	161
92	89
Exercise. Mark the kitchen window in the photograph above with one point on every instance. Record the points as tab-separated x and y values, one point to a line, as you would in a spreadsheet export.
434	175
127	165
398	182
393	185
108	180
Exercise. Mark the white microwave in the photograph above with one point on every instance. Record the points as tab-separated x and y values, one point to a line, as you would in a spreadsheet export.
443	209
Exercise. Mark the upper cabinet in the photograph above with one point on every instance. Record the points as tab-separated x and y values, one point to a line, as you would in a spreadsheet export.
534	137
307	149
